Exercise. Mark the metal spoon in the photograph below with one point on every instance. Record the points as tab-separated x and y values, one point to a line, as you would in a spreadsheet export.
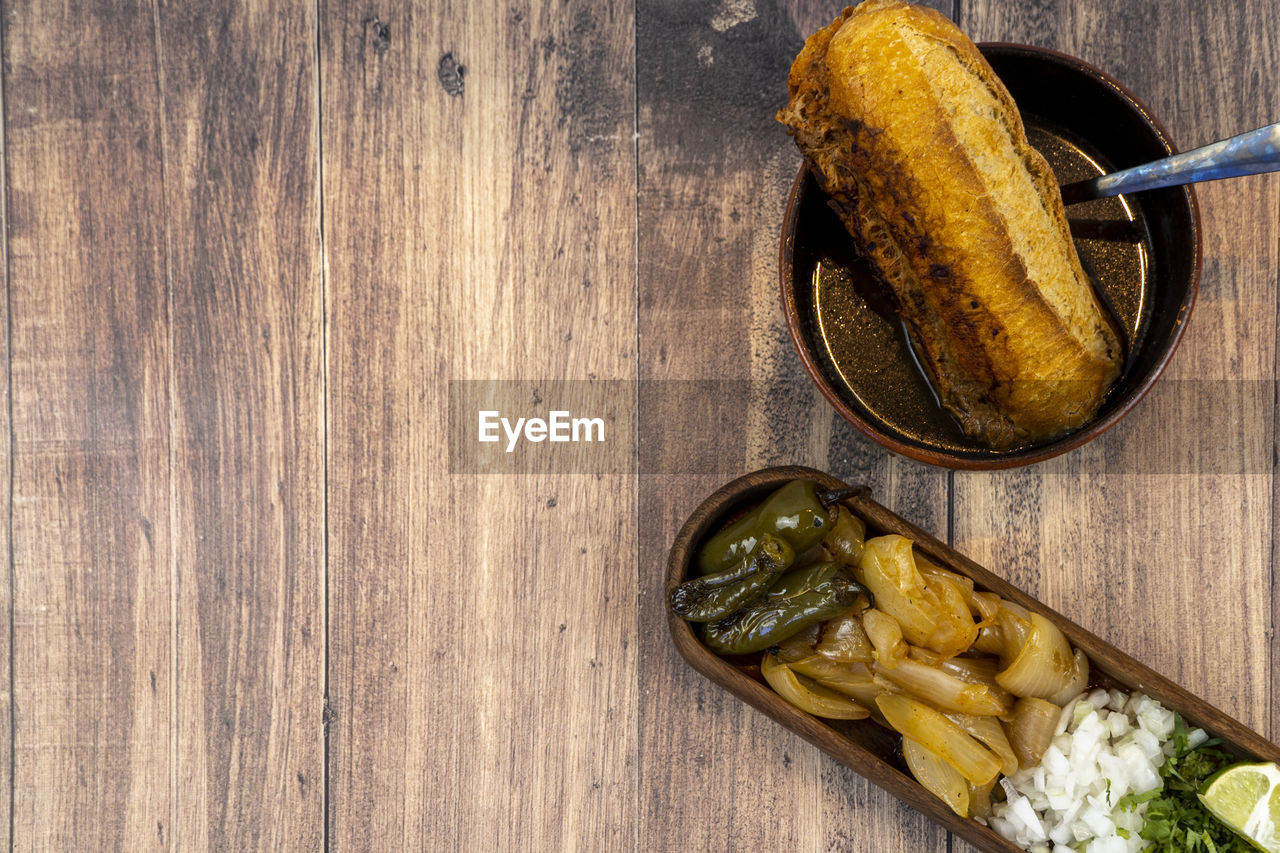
1247	154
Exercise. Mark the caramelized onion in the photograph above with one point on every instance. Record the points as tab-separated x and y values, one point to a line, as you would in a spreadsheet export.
888	569
973	670
845	540
956	629
1076	684
985	606
944	691
1031	729
989	732
1013	623
845	640
799	645
980	799
866	695
928	657
940	736
885	636
808	695
929	571
937	776
851	679
1044	665
978	671
990	640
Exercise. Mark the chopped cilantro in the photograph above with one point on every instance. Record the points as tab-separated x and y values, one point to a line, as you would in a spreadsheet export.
1175	819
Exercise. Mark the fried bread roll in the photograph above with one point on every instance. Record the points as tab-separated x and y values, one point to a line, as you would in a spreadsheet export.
923	153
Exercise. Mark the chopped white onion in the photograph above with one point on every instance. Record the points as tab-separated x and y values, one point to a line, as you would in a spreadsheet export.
1108	745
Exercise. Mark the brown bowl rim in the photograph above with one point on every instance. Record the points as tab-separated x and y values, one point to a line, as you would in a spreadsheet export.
947	459
1116	665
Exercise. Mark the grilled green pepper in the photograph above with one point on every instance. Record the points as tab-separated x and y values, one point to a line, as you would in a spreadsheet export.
794	513
716	596
795	601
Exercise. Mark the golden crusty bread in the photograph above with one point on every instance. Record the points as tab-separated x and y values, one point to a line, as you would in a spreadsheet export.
924	155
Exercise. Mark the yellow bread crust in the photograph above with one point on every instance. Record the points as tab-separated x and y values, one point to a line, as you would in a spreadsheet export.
925	157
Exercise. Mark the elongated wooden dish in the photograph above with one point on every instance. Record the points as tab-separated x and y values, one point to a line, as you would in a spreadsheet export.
864	746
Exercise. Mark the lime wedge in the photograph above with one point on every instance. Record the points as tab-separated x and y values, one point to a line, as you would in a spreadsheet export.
1246	798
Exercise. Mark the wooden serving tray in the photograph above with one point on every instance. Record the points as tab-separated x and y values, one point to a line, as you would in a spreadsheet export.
863	745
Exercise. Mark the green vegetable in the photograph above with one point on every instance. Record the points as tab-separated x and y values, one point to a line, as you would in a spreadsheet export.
793	585
795	601
1176	821
716	596
794	513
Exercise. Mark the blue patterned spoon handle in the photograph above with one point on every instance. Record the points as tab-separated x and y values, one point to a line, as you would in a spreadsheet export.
1247	154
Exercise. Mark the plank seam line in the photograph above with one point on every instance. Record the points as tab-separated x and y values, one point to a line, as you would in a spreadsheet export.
951	508
8	314
173	420
325	801
951	541
635	437
1275	504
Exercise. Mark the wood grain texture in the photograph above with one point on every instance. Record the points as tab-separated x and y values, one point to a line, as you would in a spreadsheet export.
714	170
89	361
479	224
239	96
6	462
247	248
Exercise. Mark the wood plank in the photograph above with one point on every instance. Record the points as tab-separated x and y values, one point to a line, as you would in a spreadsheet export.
6	495
479	222
239	96
723	393
89	358
370	380
1160	535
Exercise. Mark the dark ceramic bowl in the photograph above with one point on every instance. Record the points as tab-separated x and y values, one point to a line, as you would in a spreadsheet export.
1142	250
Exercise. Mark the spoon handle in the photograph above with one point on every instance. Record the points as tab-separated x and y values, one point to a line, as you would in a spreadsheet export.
1247	154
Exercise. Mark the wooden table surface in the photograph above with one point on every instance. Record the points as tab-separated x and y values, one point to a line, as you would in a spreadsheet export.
254	601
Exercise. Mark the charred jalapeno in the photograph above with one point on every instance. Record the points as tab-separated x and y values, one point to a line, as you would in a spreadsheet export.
794	513
718	595
795	601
